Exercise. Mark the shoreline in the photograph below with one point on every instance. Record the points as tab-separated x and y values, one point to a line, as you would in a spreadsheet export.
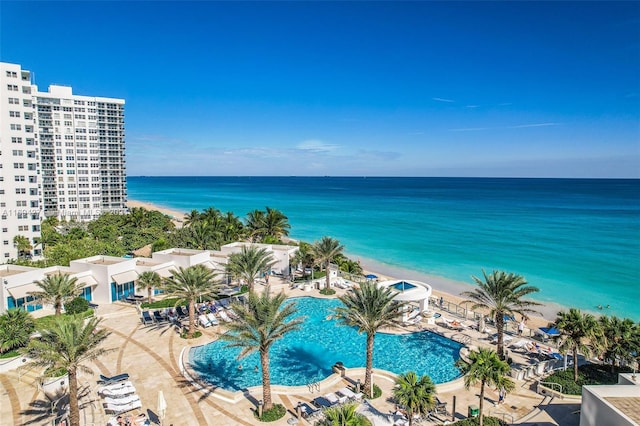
441	286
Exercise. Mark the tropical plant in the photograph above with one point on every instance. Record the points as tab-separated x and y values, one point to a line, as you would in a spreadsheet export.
502	294
77	306
56	289
618	339
255	225
485	367
303	257
343	415
324	251
191	217
262	321
22	244
249	263
416	395
191	284
149	280
276	225
69	344
16	326
368	308
578	333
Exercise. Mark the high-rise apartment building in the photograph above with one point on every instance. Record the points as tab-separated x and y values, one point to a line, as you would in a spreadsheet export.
61	155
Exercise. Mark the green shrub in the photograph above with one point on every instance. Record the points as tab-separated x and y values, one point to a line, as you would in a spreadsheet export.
10	354
377	392
160	304
588	374
327	292
44	323
486	421
195	335
54	372
76	306
275	413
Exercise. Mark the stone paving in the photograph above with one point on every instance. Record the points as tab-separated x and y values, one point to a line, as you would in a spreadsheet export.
150	354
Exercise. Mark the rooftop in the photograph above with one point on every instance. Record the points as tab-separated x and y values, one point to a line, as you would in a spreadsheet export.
629	406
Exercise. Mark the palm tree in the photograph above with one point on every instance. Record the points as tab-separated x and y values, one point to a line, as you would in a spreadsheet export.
255	224
149	280
69	344
578	332
138	217
344	415
276	225
231	227
262	321
191	218
368	308
617	339
415	395
191	284
502	294
56	289
16	326
324	251
485	367
23	245
249	263
303	256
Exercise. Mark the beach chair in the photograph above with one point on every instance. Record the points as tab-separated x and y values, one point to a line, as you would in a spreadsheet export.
321	402
117	392
413	321
204	321
158	317
350	394
232	314
308	412
181	313
441	407
223	315
332	398
146	318
122	408
104	380
124	400
212	319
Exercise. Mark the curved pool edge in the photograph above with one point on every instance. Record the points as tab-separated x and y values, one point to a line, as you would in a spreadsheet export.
234	397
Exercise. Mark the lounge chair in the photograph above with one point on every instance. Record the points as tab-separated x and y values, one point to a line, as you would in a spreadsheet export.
222	314
332	398
126	400
212	319
413	321
232	314
350	394
146	318
104	380
181	313
204	321
117	392
225	302
441	407
308	412
158	317
118	409
321	402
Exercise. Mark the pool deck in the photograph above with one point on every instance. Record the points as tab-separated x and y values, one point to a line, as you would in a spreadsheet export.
151	356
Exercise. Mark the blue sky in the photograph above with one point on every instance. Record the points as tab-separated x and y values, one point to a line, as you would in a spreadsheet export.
545	89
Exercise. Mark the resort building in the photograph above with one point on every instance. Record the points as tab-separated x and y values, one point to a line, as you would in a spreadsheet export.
107	279
615	405
61	155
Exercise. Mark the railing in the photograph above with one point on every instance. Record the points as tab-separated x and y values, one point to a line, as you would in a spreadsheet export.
503	415
551	385
312	386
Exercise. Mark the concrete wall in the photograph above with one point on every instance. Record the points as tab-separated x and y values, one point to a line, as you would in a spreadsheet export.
597	411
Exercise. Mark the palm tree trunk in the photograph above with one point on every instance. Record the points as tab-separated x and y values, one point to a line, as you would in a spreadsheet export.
149	293
266	380
410	415
500	330
369	365
74	411
58	306
481	401
327	282
575	363
192	317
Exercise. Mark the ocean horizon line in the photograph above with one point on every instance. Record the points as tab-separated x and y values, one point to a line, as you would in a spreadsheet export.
390	177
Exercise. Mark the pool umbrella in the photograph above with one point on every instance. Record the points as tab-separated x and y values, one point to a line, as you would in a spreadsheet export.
371	276
162	405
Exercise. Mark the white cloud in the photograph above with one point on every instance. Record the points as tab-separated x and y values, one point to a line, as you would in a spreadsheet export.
443	100
522	126
314	145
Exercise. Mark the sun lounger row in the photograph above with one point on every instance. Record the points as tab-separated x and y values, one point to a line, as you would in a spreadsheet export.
122	408
117	390
104	380
336	398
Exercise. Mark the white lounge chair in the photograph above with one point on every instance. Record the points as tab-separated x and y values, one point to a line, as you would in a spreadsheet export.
452	324
223	315
232	314
212	319
413	321
332	398
118	393
118	409
204	321
350	394
126	400
123	388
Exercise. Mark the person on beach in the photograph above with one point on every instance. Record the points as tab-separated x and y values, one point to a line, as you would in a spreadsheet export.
521	327
441	302
501	395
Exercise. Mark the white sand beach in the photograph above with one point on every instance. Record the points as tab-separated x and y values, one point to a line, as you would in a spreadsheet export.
447	288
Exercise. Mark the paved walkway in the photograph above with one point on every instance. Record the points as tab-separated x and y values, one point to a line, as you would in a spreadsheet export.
150	354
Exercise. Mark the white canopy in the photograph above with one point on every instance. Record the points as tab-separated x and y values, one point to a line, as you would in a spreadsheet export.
125	277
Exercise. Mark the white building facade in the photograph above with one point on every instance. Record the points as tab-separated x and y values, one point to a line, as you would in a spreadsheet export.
61	155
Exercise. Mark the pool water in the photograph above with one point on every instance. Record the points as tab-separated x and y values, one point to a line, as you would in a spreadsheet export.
307	355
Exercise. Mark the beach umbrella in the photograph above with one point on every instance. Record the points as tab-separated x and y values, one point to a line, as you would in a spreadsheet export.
162	405
371	276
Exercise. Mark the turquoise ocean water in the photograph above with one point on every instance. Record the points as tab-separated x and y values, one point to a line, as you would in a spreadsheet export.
578	240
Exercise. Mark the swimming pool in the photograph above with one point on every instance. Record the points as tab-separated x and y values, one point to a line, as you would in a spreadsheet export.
306	356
